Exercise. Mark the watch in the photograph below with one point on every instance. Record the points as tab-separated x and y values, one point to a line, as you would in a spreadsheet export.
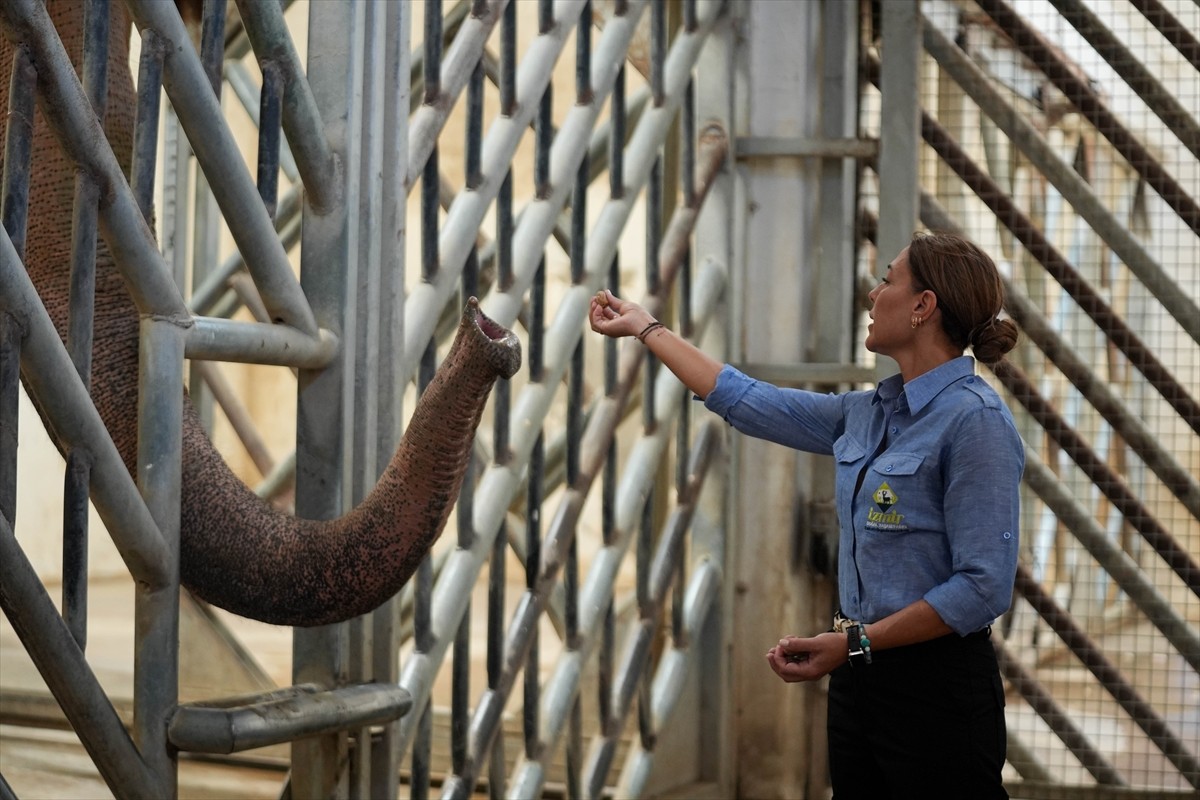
858	645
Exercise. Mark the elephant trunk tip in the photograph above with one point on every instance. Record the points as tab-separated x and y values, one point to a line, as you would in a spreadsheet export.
504	346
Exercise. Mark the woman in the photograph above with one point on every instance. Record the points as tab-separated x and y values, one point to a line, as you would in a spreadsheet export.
928	471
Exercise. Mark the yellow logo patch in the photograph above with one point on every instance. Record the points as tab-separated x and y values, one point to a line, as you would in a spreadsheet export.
882	517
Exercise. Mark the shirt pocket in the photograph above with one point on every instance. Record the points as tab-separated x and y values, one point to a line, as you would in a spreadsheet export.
898	464
847	450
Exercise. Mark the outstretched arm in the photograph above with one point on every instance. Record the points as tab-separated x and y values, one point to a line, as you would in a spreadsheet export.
614	317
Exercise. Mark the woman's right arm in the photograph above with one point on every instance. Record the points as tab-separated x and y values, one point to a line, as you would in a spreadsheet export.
614	317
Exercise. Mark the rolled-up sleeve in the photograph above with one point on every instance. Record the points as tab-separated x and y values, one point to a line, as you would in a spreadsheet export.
982	514
804	420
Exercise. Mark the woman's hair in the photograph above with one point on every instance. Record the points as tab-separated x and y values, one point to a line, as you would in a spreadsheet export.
969	292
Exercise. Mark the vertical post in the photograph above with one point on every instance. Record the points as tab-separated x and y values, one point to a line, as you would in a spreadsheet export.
319	655
156	612
899	135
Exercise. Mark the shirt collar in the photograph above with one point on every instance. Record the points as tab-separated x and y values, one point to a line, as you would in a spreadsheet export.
922	389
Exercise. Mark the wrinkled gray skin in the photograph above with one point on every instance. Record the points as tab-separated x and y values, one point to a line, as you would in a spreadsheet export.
236	551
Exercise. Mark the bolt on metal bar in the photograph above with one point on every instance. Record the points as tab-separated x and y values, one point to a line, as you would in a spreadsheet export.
54	384
671	675
1174	31
1164	104
1115	561
1056	718
1045	56
268	34
63	666
1032	144
1141	712
1181	483
1089	300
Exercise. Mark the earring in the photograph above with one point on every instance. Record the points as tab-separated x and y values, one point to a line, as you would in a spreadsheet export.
916	322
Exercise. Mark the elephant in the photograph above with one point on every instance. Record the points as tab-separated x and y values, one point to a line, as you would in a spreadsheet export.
236	551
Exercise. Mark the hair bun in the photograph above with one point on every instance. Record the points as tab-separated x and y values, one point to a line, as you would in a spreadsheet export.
991	340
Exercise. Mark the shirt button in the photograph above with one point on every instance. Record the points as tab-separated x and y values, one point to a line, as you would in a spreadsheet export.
971	379
889	467
895	430
1007	534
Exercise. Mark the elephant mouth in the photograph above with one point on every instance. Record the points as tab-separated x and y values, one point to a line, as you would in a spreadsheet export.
504	348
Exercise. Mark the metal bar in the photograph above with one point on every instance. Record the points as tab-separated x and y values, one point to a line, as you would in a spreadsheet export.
1181	305
633	675
160	475
453	74
1055	717
248	93
217	339
62	665
1116	562
1046	57
238	416
83	140
18	142
269	120
1140	711
755	147
1112	408
146	121
10	406
500	481
671	674
1141	80
1174	32
200	114
1089	300
425	302
1136	514
302	123
637	477
54	384
284	716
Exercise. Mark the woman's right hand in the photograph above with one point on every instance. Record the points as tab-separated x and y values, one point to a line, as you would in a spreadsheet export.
615	317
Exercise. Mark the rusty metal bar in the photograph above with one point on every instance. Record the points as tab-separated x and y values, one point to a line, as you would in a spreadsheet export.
1055	717
1139	710
1090	301
1172	29
1046	57
1126	64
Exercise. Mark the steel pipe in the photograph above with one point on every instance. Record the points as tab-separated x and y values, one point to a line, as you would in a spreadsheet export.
217	339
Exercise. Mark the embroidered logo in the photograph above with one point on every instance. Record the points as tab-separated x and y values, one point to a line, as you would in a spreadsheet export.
883	517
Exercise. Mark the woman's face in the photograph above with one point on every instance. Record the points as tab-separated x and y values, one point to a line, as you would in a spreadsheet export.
892	306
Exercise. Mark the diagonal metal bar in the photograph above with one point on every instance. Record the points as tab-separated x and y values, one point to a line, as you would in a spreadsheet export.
53	382
272	43
208	133
1046	57
65	106
1125	63
1181	305
1116	562
1115	412
62	665
1142	713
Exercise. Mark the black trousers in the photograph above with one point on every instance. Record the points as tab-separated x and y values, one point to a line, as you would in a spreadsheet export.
921	722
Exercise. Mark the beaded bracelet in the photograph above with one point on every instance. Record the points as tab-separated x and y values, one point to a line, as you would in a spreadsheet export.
641	337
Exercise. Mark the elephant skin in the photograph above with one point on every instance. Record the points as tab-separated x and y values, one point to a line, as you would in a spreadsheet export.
237	552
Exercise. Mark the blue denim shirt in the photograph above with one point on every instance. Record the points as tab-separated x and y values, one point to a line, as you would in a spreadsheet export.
936	511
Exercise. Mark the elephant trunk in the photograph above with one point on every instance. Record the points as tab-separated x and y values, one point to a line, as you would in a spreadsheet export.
235	550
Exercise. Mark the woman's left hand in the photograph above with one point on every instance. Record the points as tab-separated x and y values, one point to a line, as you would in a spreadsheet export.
797	659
